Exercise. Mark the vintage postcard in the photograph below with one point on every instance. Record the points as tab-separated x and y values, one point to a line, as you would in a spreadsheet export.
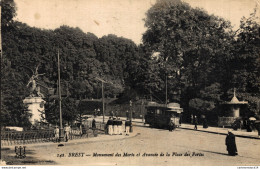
130	83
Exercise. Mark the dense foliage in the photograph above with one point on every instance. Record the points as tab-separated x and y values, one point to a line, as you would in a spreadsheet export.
205	57
199	55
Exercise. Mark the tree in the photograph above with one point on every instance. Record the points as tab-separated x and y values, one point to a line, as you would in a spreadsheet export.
8	13
245	65
191	45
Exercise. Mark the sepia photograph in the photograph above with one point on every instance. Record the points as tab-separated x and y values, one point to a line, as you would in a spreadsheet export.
129	83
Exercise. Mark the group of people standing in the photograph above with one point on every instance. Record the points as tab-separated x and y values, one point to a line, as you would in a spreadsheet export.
67	131
196	122
115	126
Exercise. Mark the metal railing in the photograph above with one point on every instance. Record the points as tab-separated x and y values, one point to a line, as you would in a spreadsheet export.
39	136
99	125
26	137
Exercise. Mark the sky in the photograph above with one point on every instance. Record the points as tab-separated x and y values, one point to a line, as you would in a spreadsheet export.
120	17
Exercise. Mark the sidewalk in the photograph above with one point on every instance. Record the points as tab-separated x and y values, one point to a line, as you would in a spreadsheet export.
222	131
214	130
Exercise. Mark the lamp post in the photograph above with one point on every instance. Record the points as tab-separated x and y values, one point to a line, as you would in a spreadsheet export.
61	132
142	112
131	114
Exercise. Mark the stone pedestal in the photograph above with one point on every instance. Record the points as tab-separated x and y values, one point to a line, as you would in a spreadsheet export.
36	107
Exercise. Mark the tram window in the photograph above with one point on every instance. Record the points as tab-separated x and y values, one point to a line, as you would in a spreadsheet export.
158	111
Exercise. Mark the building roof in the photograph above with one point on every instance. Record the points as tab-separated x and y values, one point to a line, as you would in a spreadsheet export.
234	100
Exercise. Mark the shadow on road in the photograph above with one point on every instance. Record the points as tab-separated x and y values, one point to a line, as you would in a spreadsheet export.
159	129
214	152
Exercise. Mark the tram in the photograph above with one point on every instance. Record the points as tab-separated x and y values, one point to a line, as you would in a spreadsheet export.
160	115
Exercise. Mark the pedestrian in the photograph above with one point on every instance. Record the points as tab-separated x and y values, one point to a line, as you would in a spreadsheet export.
117	126
205	123
111	114
171	125
95	113
180	120
84	130
231	144
195	123
56	134
257	127
67	132
120	123
114	126
80	130
127	114
127	127
249	126
131	126
110	126
93	124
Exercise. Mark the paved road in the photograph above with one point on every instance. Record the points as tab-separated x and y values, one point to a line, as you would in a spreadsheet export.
208	148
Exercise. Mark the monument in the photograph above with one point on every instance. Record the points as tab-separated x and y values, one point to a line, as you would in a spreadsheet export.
234	105
232	111
35	102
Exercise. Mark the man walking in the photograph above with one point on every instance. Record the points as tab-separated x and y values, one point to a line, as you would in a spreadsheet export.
67	132
117	126
120	123
56	134
127	127
114	126
110	126
195	123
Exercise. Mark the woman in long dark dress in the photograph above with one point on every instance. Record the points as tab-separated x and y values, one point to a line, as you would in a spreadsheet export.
93	124
205	123
231	144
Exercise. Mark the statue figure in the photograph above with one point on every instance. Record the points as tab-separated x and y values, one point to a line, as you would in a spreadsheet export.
34	88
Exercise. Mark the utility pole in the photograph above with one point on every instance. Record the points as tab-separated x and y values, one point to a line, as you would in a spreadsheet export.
61	127
131	115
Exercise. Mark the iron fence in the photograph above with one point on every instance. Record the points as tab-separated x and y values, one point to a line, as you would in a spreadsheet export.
39	136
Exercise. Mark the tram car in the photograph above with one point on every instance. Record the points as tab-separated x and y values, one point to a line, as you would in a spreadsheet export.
160	115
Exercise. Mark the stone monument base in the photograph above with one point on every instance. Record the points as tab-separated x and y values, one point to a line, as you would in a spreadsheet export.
36	107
